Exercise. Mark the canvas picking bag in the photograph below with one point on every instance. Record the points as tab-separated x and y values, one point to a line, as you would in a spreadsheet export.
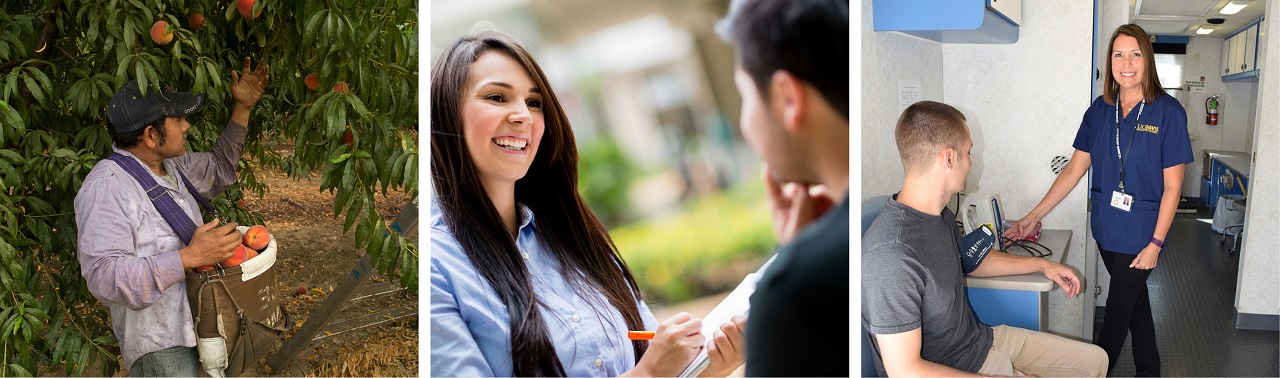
238	316
236	313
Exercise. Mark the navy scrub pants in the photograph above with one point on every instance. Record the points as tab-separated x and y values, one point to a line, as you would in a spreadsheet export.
1128	311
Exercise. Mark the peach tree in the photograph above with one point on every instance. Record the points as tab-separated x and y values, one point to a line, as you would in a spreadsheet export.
354	122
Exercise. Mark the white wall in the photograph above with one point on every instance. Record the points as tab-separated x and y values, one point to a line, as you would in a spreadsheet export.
888	57
1203	59
1024	102
1257	287
1239	116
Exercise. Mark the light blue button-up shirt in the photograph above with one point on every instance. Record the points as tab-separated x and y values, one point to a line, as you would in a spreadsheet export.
471	329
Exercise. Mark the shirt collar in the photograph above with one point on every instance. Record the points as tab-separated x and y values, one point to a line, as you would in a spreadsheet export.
437	216
168	167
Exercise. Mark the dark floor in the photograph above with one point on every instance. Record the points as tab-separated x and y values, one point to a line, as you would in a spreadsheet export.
1193	298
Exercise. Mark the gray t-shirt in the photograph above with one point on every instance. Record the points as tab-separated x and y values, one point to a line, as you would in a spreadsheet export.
911	278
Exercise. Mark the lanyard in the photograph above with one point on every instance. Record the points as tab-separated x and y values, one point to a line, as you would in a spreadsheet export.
1142	104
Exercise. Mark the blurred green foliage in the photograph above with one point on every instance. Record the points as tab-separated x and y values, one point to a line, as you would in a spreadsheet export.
707	248
605	177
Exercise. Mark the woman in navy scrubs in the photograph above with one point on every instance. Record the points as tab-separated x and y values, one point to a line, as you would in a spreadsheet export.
1137	150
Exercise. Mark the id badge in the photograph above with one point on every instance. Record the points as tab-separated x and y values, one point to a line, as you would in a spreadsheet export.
1121	201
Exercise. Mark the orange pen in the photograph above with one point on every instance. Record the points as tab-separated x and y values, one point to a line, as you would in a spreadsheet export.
640	335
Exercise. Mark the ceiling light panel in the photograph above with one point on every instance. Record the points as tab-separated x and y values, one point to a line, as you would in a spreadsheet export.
1164	26
1187	8
1234	7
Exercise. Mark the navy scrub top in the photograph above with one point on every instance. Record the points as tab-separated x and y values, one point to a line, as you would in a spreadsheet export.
1159	140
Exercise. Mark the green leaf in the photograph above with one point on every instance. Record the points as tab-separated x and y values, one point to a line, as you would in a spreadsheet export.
141	77
411	170
397	169
362	231
10	117
84	359
18	371
130	34
64	153
358	106
34	88
7	253
353	212
309	33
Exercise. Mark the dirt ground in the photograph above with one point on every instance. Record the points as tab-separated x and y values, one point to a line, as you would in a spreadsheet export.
315	254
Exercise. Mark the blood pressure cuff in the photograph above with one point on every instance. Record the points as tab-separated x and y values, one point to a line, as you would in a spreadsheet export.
974	247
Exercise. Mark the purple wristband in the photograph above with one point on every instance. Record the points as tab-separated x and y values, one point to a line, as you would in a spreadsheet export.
1157	242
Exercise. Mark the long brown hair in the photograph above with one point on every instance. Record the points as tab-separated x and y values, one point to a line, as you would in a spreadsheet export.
573	235
1151	89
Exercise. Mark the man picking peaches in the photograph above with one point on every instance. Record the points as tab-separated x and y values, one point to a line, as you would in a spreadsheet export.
137	215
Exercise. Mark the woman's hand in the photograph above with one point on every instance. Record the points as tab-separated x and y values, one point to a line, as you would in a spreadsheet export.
1146	259
674	345
727	349
1022	228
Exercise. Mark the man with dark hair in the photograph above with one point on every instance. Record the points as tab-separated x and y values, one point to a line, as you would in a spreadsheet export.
793	76
913	298
131	257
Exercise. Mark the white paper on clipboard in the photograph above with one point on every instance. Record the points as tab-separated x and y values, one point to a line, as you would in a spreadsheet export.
737	303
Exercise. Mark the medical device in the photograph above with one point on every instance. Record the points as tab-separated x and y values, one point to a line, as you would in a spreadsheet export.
986	211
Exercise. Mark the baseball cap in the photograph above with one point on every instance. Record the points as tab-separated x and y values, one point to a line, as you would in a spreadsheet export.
130	111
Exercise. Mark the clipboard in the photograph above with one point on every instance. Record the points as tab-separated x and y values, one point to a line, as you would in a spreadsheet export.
737	303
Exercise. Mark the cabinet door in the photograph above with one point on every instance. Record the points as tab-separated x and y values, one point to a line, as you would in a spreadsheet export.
1226	56
1250	49
1238	48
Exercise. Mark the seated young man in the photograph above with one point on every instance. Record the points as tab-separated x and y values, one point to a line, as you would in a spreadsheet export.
913	298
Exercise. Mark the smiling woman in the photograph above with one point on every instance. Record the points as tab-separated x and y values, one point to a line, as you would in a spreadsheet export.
512	294
1134	138
502	109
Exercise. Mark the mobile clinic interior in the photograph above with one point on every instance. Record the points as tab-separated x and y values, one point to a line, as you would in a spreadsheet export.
1023	73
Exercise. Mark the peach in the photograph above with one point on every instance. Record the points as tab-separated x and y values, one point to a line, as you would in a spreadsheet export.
238	257
257	237
245	7
341	87
158	33
312	80
205	268
348	137
196	21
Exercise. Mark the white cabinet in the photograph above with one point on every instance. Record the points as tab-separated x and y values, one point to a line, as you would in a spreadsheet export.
1226	56
1240	53
1250	49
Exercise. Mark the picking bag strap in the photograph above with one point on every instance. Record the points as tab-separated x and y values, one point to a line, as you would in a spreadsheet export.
204	204
162	198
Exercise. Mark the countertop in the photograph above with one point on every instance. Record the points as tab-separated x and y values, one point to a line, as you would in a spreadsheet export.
1056	240
1240	162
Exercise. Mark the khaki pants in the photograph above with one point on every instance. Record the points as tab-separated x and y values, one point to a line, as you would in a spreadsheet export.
1016	352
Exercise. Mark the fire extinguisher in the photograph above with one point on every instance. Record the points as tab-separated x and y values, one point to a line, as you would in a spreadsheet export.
1211	105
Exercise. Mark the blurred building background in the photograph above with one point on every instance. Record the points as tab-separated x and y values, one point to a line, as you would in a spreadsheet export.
648	87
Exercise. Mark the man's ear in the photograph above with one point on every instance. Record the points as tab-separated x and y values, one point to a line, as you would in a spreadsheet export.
787	99
948	158
150	137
